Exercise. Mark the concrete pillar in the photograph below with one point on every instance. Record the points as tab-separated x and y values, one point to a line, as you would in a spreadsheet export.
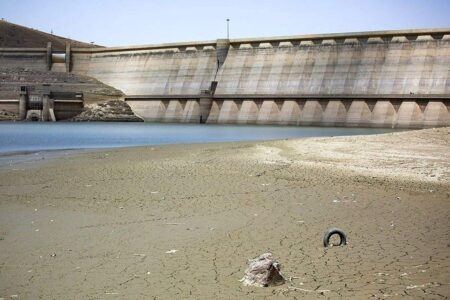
191	112
49	56
436	114
289	113
311	113
68	58
269	113
51	110
228	112
409	115
214	113
359	114
335	114
248	114
205	108
383	114
45	107
174	112
205	103
23	103
222	46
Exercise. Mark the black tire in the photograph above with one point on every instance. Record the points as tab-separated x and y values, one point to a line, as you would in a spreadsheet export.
332	231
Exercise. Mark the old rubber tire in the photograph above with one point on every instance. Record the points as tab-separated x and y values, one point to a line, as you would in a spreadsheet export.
332	231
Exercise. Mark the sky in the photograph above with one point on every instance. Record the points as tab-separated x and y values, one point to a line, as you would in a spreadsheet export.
134	22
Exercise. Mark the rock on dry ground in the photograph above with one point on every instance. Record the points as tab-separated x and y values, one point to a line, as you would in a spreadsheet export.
263	271
106	224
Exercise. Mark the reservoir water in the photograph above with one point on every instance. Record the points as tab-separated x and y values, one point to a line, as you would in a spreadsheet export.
29	137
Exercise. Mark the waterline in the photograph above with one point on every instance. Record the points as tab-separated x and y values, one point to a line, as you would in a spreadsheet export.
32	137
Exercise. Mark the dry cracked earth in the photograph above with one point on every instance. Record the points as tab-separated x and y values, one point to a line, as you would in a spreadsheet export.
176	222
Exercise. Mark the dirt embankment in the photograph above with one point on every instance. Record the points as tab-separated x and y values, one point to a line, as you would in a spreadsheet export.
17	36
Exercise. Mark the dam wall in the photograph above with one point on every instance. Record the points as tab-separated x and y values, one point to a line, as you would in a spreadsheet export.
366	79
153	71
338	67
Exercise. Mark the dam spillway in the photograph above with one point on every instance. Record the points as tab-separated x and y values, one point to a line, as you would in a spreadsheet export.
368	79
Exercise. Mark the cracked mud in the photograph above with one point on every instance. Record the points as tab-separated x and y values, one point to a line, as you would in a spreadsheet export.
176	222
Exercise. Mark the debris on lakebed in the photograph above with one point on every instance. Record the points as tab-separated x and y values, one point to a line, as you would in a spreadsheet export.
263	271
171	251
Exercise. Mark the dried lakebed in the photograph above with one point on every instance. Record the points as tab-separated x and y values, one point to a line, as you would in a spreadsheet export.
180	221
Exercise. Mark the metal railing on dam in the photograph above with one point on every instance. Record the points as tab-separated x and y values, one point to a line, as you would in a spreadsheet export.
376	79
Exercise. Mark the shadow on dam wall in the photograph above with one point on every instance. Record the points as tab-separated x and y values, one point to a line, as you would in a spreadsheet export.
370	79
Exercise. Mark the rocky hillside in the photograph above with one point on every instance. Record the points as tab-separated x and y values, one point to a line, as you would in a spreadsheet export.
17	36
11	79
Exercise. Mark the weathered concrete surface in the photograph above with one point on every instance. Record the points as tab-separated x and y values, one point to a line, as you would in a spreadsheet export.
151	72
379	79
248	114
364	67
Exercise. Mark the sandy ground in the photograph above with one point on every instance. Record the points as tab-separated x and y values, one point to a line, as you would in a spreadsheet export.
105	225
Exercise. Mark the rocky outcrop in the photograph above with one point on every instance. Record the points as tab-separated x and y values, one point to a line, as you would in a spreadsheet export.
8	116
111	111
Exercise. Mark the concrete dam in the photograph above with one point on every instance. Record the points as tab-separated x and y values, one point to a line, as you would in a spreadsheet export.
367	79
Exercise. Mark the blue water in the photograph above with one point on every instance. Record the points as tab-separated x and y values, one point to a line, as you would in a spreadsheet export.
28	137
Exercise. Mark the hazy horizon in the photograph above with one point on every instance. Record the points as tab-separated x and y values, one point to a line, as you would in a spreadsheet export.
151	22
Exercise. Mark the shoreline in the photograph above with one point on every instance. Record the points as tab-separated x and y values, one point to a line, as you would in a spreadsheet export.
91	136
105	223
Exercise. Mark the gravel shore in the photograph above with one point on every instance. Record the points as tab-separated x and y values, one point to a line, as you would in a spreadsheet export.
180	221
